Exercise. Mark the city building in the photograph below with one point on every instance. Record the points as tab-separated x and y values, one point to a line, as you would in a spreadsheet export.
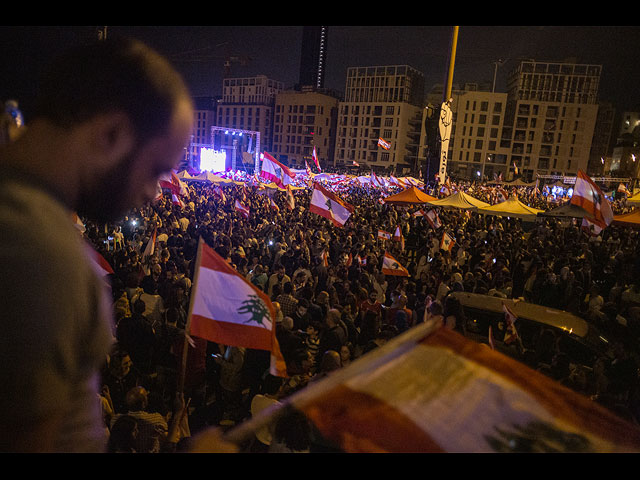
248	104
625	158
550	117
475	150
302	121
379	120
602	137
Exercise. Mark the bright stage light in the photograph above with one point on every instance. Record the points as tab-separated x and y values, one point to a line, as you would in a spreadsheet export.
212	160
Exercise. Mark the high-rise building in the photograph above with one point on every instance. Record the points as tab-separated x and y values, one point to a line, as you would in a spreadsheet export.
313	57
302	121
248	104
379	119
550	117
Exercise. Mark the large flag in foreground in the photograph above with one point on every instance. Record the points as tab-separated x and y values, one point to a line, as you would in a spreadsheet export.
227	309
431	390
328	205
276	172
587	195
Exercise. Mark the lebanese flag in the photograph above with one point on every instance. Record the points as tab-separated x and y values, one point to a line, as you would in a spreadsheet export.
315	159
158	196
501	195
242	209
390	266
510	334
398	237
275	172
218	191
291	203
376	181
307	168
227	309
151	245
324	256
173	183
383	234
100	265
273	205
419	213
588	196
623	189
590	228
349	261
328	205
175	199
447	242
433	219
463	398
383	143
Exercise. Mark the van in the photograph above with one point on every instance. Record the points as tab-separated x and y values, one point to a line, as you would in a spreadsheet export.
582	342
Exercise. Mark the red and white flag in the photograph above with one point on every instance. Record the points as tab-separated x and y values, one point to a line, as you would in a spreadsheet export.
383	234
590	228
431	390
78	223
98	262
398	237
447	242
176	200
328	205
150	248
433	219
291	203
218	191
273	205
510	333
588	196
227	309
324	256
383	143
315	159
390	266
172	182
240	208
276	172
419	213
375	181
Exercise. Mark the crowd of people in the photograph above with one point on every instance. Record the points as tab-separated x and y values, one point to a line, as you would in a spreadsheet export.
333	303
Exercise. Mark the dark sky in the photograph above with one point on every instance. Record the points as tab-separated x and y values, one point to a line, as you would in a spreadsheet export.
199	51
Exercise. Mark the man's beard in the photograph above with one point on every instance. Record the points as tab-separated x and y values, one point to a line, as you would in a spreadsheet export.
111	200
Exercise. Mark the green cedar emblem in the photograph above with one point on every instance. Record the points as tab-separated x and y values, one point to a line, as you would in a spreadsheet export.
256	307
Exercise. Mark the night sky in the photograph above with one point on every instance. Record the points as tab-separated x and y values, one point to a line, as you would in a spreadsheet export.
199	52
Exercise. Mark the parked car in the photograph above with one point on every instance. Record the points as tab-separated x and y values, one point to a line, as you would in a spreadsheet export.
582	342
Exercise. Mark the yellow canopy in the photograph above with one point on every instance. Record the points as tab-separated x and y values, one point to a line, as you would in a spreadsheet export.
459	200
512	207
631	218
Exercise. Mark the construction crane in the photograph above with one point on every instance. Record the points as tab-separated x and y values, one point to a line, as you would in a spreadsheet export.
201	56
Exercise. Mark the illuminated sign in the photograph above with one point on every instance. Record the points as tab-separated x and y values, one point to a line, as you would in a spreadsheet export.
212	160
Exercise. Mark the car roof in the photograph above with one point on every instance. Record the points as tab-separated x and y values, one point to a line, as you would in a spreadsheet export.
529	311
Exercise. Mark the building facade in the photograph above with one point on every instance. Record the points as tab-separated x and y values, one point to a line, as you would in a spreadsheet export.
382	106
248	104
550	117
302	121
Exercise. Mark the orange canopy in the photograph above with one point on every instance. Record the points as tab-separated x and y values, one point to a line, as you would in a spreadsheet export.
409	196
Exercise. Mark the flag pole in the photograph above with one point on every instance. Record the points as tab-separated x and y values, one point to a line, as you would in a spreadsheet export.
185	349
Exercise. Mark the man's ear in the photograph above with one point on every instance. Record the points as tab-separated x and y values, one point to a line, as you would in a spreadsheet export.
112	137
